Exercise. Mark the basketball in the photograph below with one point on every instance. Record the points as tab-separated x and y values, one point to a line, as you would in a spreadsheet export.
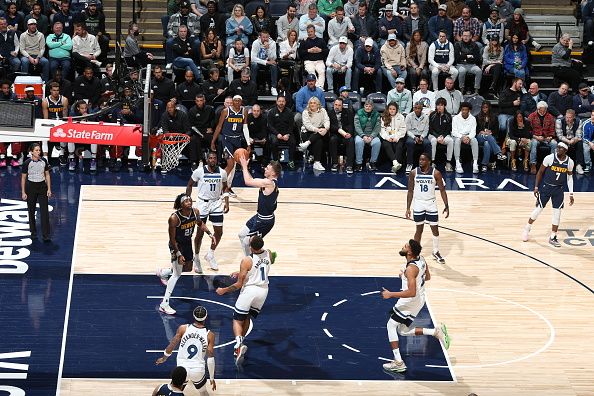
239	153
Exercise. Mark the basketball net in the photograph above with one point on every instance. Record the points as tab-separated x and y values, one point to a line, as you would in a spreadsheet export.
172	145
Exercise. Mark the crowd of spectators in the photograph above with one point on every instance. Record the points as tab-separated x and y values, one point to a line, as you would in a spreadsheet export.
324	61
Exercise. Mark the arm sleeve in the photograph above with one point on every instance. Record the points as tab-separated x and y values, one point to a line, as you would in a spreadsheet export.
210	362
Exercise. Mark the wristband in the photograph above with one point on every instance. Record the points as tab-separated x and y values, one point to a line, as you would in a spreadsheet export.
178	254
166	354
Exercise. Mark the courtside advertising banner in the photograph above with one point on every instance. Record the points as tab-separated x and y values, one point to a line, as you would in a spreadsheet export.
107	134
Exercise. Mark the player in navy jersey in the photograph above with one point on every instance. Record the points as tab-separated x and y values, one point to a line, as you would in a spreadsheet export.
181	229
174	388
263	221
421	194
233	128
557	169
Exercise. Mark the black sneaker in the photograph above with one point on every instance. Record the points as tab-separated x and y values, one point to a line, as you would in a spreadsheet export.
291	165
371	166
117	166
358	168
554	242
63	160
483	168
349	170
334	168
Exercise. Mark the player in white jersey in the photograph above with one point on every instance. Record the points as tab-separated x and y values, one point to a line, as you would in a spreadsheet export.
410	302
212	202
252	279
421	193
196	342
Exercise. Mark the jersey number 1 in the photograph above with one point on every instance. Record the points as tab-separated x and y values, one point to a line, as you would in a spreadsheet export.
263	274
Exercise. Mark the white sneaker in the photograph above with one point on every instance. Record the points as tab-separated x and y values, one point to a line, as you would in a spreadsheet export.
166	309
459	168
162	278
475	168
240	354
537	46
198	266
303	146
273	91
441	333
395	366
318	166
525	235
396	166
158	164
96	62
211	261
579	169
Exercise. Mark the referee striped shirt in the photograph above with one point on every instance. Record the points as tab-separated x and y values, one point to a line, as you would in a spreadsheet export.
35	170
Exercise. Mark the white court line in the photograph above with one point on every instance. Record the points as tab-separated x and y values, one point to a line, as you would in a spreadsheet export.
328	333
324	316
384	359
317	294
371	292
69	297
445	352
237	380
351	348
540	350
336	304
329	357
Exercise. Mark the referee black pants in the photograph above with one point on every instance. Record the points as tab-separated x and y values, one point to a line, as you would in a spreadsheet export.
37	192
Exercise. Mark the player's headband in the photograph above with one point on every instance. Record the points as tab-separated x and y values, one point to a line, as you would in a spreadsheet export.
185	197
200	314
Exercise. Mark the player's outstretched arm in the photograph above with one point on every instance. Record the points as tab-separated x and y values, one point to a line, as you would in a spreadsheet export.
210	361
411	188
189	187
172	344
249	180
246	265
442	191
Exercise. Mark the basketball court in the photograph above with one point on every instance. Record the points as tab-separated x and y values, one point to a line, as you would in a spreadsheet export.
518	313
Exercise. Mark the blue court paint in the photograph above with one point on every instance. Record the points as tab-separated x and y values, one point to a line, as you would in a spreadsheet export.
113	324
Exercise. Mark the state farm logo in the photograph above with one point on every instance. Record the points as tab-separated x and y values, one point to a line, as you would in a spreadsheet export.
60	133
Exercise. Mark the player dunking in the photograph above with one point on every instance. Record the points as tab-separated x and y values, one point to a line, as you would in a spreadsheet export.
212	191
196	342
252	279
263	221
558	171
411	300
233	128
175	387
421	193
181	228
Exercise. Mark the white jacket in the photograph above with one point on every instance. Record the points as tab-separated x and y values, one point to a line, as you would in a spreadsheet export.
342	58
463	127
270	51
397	127
86	46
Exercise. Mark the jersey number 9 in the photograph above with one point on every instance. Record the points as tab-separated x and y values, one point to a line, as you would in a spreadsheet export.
192	351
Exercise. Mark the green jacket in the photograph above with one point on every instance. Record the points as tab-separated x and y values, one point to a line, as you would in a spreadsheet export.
367	124
327	8
59	48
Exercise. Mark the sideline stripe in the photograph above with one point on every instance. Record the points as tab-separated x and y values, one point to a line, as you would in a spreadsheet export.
69	297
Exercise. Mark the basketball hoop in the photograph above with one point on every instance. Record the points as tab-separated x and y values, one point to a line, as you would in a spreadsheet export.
172	145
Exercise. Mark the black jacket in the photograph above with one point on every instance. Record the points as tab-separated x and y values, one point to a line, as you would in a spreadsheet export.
282	123
506	101
187	92
528	105
346	119
87	89
467	53
179	123
182	48
248	91
370	22
163	89
203	118
440	124
210	89
558	104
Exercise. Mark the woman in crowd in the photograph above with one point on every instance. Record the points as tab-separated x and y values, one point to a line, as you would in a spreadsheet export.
515	58
393	135
519	136
238	26
316	125
493	64
211	51
486	124
416	59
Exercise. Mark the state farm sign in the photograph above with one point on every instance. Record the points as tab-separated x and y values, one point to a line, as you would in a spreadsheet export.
107	134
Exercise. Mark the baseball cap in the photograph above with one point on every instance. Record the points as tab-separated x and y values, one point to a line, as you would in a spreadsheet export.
494	9
391	36
32	21
311	77
582	86
442	7
389	7
29	88
184	4
369	42
343	88
564	145
237	97
494	37
343	39
400	80
92	2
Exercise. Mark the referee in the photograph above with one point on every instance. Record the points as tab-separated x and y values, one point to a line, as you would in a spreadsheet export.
36	187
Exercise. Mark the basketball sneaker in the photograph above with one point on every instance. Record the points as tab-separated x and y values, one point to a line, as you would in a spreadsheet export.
162	278
441	333
198	266
239	354
211	261
525	234
166	309
273	256
437	256
554	242
395	366
232	193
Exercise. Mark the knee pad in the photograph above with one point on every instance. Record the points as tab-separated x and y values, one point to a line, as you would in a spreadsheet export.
392	327
556	217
